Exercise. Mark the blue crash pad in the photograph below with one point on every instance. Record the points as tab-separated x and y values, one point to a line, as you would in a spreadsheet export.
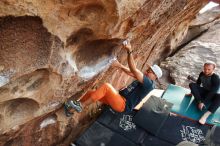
186	106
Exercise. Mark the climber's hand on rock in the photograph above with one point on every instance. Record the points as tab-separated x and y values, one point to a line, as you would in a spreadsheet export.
127	45
116	63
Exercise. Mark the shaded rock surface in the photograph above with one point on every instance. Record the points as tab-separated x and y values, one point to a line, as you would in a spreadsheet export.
190	59
51	50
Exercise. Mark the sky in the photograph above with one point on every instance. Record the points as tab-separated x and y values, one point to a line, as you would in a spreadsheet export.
208	6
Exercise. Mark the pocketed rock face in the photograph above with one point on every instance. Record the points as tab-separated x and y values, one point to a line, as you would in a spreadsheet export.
54	49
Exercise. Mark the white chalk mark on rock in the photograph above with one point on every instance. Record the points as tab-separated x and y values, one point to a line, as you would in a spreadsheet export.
89	72
47	121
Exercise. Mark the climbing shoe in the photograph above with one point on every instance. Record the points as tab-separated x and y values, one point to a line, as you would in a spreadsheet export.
67	108
76	105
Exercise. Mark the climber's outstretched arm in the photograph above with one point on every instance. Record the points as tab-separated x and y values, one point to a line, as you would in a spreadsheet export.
132	66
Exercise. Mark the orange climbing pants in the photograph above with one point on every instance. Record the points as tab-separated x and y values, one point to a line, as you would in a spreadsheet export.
107	95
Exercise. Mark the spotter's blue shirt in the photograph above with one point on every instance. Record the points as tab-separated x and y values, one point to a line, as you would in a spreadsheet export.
136	91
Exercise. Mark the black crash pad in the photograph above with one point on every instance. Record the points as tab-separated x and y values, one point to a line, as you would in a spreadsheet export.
98	135
177	129
123	124
213	136
151	140
153	114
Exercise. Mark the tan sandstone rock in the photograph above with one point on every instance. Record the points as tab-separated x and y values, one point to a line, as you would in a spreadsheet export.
190	59
53	49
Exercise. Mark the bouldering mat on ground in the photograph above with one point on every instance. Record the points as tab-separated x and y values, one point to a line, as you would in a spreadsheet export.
99	135
186	106
153	114
116	129
122	123
151	140
177	129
